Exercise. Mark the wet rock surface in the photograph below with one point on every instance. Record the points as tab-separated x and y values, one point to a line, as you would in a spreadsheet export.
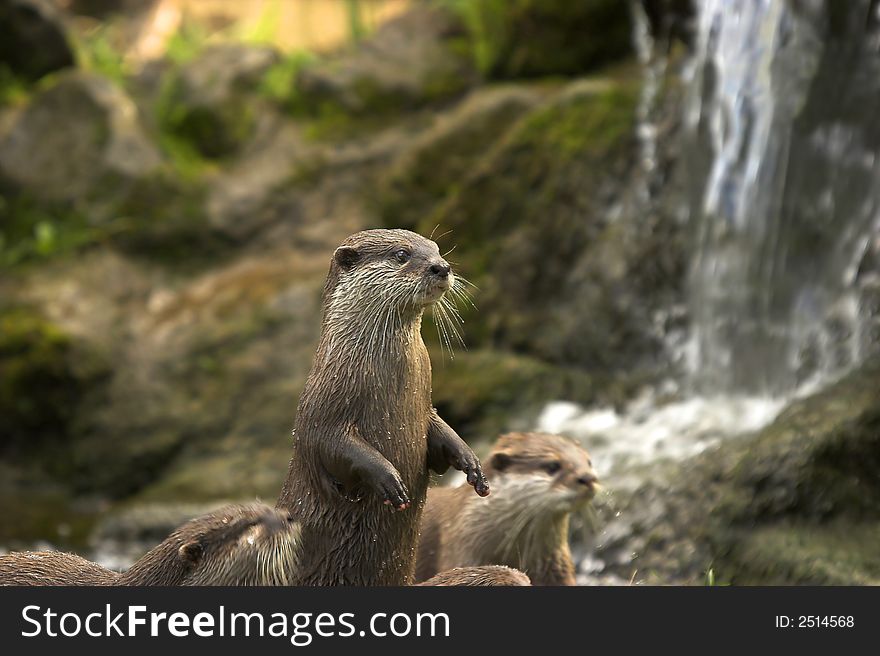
770	507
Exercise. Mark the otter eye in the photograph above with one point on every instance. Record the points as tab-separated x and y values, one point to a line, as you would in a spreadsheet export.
402	256
552	467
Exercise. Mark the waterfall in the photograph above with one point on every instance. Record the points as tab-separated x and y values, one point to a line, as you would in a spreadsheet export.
780	143
783	138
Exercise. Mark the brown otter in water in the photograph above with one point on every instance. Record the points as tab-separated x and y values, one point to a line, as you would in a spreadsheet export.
538	481
236	545
366	432
487	575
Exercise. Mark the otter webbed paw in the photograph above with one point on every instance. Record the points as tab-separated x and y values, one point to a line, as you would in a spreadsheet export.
470	465
446	448
392	491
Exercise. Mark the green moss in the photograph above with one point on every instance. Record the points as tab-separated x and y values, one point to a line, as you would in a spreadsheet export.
837	553
538	191
525	38
279	82
42	379
585	124
13	89
192	135
97	51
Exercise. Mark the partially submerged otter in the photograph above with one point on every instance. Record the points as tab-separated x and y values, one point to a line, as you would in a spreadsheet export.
487	575
366	432
237	545
538	481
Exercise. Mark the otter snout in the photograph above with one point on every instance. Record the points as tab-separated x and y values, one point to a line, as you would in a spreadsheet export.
276	521
440	269
589	482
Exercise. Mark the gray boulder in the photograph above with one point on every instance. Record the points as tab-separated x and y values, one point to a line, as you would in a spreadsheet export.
79	139
410	61
212	104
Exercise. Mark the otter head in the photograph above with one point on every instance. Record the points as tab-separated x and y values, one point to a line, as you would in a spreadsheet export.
237	545
376	272
553	471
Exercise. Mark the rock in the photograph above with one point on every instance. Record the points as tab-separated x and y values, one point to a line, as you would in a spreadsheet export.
44	375
33	39
483	393
798	502
410	61
80	140
443	155
532	38
212	104
566	180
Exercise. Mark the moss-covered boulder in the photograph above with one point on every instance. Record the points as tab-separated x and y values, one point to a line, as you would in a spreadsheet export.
44	375
443	157
528	38
411	61
78	140
211	103
569	266
484	392
796	503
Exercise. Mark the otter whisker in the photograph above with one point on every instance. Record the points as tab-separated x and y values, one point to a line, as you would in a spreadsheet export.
449	251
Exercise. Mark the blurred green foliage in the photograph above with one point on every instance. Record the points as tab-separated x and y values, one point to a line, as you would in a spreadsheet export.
30	230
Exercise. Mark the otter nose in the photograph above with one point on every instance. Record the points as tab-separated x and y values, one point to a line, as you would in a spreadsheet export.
440	269
587	479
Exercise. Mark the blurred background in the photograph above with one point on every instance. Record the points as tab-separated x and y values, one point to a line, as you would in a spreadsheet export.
670	211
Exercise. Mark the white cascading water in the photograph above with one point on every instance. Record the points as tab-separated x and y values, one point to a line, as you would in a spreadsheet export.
782	155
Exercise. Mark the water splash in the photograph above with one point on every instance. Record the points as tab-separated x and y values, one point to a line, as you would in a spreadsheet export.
649	430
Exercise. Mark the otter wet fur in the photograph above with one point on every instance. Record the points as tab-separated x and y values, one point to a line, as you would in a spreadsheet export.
237	545
366	433
538	481
486	575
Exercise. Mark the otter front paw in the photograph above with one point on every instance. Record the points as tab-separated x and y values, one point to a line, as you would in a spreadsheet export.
470	465
393	492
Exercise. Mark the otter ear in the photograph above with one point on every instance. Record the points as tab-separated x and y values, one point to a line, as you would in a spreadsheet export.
500	461
346	257
191	552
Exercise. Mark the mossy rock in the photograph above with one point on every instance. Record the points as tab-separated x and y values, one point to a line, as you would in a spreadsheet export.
410	62
528	38
213	102
557	277
798	502
442	158
837	553
44	375
483	393
233	473
79	139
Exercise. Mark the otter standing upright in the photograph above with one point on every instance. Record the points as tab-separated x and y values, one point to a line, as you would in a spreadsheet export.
366	432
